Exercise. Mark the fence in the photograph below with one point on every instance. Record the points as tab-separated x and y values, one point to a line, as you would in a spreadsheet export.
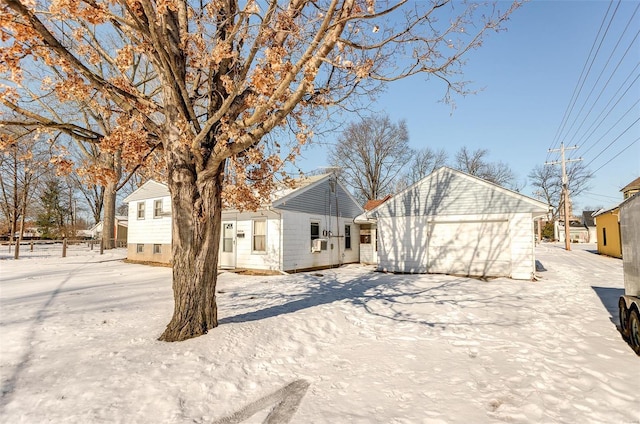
50	248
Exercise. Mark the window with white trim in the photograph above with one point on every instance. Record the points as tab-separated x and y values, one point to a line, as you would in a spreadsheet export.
259	235
157	249
315	231
157	208
140	210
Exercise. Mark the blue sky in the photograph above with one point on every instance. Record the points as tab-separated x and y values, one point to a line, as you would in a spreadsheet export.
527	77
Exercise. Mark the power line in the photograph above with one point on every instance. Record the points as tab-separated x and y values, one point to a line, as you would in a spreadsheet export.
619	153
610	144
583	76
597	123
612	127
602	72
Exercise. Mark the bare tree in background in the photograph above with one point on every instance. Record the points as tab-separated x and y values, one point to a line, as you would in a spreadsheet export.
23	162
547	181
371	155
476	163
423	162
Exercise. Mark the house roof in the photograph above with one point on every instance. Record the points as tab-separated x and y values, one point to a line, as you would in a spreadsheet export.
448	191
153	189
298	185
375	202
603	211
149	190
587	218
633	185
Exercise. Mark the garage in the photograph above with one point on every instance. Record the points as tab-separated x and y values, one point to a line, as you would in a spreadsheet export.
454	223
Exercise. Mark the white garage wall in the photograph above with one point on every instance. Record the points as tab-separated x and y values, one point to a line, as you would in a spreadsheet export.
481	245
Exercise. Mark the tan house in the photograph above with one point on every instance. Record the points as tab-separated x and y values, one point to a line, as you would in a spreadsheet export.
608	223
630	189
608	230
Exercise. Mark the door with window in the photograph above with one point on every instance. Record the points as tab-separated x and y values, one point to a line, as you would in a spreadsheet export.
228	245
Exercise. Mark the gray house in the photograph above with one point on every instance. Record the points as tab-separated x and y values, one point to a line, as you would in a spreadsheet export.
306	227
309	226
454	223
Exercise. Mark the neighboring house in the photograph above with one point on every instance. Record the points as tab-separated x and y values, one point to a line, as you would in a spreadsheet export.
578	233
630	189
608	223
306	227
120	230
590	224
149	223
608	228
454	223
368	238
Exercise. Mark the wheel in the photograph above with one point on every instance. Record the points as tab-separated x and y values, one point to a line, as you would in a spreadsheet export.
623	315
634	330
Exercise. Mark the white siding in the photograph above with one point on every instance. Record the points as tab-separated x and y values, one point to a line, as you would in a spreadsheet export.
150	230
455	244
523	261
297	241
245	256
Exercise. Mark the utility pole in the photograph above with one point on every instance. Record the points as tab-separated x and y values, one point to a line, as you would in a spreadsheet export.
565	189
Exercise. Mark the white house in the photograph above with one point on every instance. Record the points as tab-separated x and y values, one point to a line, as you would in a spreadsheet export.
120	230
307	227
454	223
149	232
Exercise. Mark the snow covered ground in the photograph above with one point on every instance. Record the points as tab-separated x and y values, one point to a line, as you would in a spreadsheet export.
349	345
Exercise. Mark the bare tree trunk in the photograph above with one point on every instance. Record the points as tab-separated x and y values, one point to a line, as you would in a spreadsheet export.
23	213
197	220
108	222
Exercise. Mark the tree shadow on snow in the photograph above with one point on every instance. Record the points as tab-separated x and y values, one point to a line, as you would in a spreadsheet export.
388	296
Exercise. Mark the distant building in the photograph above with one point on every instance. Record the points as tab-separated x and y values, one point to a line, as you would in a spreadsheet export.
590	224
120	231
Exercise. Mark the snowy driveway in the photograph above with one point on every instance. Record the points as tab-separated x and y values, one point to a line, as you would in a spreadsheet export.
78	344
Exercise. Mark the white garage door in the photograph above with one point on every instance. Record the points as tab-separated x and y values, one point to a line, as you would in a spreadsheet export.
469	248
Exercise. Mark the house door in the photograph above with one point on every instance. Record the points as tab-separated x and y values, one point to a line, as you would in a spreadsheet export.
228	245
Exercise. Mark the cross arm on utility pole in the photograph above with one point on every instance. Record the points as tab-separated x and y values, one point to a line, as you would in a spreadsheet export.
565	188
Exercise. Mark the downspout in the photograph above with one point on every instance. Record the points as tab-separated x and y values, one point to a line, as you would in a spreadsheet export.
337	224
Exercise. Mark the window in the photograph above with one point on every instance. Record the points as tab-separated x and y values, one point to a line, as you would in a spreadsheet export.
260	235
347	236
315	230
140	210
365	235
140	248
157	208
157	249
604	236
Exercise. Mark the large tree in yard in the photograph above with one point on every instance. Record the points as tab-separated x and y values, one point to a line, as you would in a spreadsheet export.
225	74
371	154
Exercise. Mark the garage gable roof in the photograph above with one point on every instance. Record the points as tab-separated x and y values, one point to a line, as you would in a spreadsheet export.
450	192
